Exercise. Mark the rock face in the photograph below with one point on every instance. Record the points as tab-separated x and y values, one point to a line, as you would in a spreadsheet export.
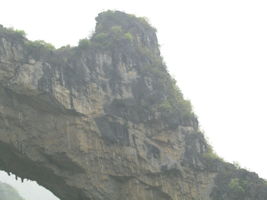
105	121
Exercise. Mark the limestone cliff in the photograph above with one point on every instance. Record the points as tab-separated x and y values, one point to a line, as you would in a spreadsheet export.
105	121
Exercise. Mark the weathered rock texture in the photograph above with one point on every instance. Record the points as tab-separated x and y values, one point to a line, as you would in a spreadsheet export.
105	121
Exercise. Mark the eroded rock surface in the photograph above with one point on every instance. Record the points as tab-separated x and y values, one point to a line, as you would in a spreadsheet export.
105	121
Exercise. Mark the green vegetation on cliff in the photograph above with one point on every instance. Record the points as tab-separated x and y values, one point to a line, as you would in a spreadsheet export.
8	193
12	31
112	31
117	29
40	44
232	183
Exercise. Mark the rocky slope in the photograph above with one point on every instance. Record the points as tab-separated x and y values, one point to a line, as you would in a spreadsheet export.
105	121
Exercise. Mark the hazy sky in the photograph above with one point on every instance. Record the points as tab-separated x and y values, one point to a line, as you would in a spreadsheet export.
216	50
28	189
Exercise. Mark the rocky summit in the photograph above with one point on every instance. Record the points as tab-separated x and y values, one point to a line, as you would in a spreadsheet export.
105	121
